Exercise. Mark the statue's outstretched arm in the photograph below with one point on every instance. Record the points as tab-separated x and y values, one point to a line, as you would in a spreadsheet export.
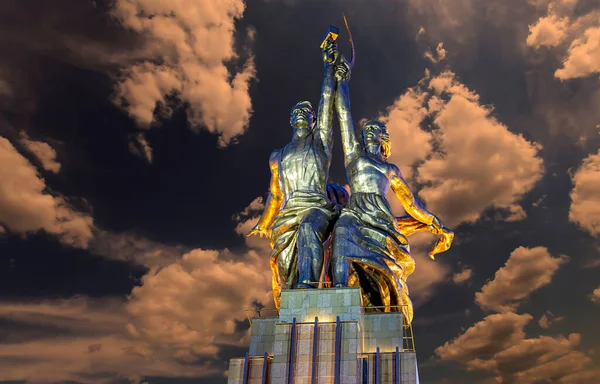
410	204
350	143
274	201
324	125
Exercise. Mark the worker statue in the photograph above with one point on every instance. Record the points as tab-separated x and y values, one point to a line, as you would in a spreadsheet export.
299	215
369	246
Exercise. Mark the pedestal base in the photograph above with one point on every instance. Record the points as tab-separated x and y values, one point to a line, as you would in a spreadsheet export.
325	336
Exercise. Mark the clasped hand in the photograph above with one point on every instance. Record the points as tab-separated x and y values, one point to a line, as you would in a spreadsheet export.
259	231
330	52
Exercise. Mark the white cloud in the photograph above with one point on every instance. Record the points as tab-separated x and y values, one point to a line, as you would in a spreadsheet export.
188	44
26	208
526	271
585	196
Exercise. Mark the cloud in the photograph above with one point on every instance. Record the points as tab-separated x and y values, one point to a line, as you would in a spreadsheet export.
462	276
477	162
440	54
43	151
189	44
133	248
429	274
480	163
493	334
403	120
173	325
581	377
548	318
585	199
542	359
497	344
25	207
583	57
5	88
80	340
595	296
581	34
138	145
548	31
526	270
191	306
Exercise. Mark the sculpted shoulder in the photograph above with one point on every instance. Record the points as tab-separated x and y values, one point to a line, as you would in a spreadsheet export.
274	158
393	170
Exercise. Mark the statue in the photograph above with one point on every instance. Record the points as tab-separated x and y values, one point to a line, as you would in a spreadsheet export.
299	215
369	244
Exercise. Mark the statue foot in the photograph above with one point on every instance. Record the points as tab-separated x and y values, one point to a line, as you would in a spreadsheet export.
340	286
303	286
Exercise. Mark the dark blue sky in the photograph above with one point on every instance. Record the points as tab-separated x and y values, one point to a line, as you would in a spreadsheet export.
94	284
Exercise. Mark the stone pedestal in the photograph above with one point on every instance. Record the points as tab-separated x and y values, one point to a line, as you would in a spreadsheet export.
323	336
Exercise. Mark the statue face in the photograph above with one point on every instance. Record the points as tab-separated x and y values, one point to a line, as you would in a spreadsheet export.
373	133
302	118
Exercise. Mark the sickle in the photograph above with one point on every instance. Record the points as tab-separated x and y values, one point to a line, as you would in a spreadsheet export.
351	63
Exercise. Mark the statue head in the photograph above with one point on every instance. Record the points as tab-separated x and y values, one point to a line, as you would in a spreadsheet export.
375	134
302	119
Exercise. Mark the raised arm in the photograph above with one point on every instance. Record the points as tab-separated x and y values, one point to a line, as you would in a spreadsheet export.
410	204
274	201
350	142
324	124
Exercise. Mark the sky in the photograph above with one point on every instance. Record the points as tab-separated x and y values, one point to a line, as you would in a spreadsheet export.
134	146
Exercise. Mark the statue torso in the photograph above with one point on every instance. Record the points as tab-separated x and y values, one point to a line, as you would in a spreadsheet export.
303	166
368	174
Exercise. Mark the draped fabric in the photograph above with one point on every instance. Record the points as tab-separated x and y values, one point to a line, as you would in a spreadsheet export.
299	207
368	235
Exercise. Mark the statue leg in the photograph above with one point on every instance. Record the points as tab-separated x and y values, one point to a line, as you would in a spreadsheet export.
311	233
340	271
340	265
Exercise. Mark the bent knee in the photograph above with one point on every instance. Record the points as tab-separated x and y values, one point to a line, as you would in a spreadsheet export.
307	228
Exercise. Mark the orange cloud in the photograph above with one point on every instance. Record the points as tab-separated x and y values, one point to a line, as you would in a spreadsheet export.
43	151
190	307
497	344
527	270
595	296
462	276
87	342
480	163
493	334
26	208
188	44
585	200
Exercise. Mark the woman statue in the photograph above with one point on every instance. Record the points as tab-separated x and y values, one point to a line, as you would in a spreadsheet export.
369	245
